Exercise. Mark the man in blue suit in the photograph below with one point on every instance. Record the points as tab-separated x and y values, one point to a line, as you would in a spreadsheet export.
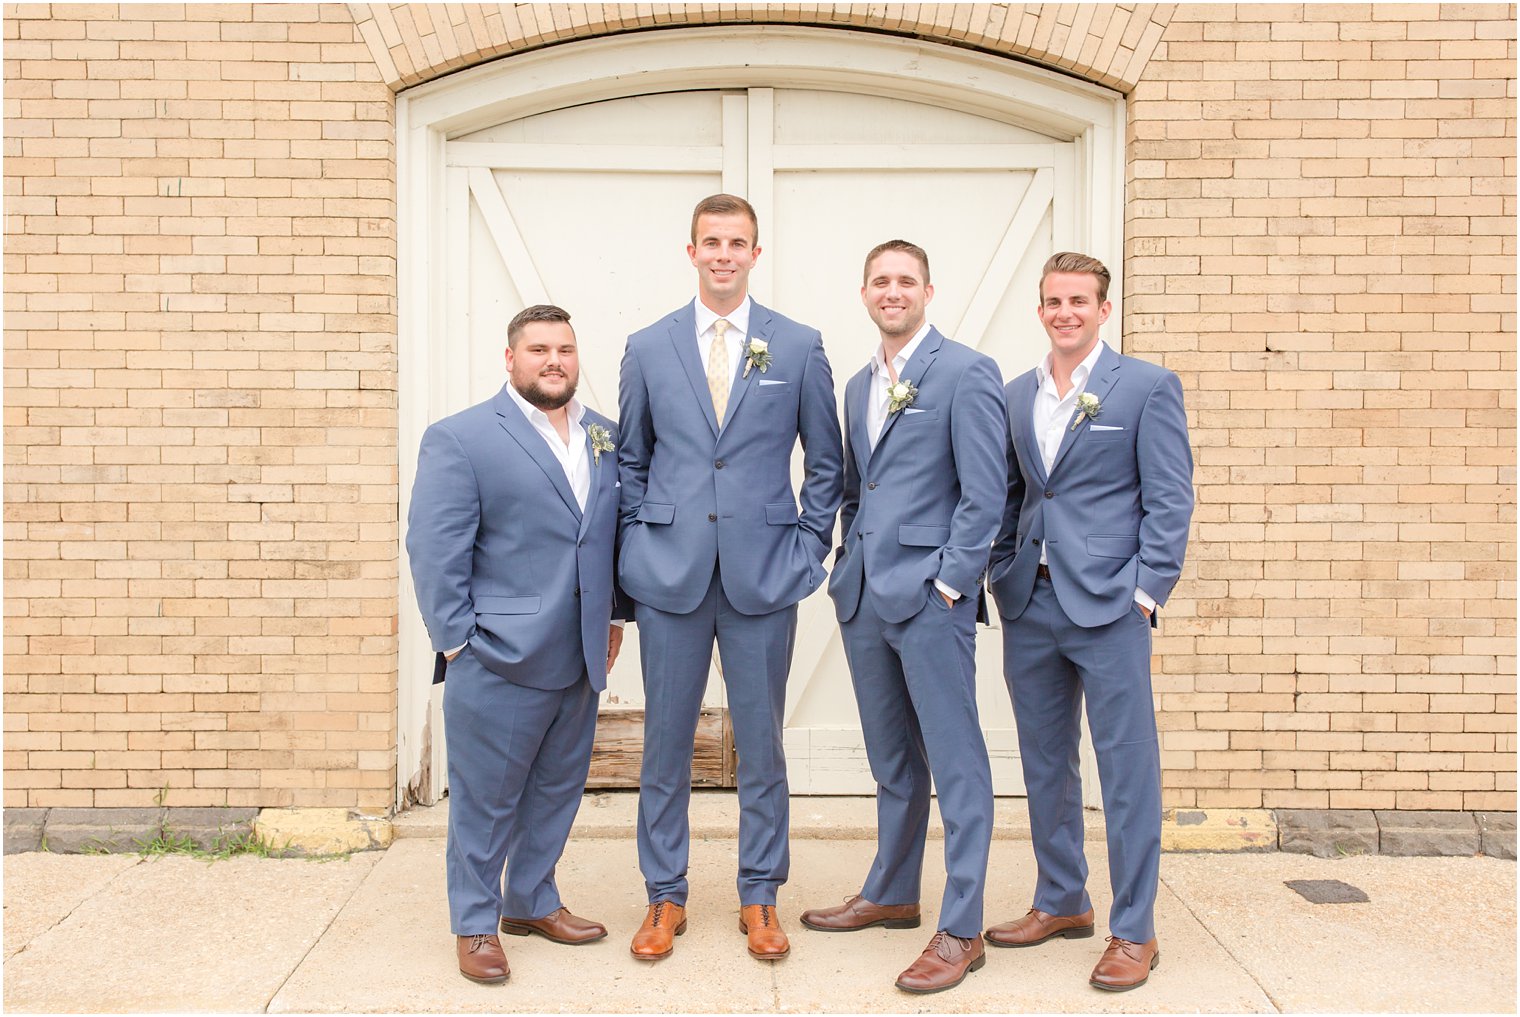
511	534
713	399
925	477
1100	492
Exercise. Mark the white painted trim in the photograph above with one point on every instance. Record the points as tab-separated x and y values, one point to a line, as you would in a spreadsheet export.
760	178
920	156
1005	260
649	158
768	56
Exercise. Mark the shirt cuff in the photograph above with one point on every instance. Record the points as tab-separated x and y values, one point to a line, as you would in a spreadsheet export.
618	623
947	591
1145	600
450	653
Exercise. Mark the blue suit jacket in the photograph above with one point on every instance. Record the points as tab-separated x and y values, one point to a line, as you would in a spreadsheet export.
502	556
694	495
1114	511
926	504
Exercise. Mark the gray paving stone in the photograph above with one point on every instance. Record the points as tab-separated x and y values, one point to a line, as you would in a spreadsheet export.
1428	833
1497	829
23	830
210	828
78	831
1327	833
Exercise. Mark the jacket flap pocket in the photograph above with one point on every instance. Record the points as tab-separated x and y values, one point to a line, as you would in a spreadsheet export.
506	605
1111	546
781	513
654	512
916	535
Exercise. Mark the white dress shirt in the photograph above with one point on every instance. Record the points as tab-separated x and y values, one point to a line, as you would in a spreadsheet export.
877	402
1052	419
738	330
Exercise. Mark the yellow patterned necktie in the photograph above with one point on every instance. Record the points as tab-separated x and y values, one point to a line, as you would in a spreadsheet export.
717	369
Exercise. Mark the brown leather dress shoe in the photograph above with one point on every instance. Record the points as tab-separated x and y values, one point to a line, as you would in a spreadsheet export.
859	913
481	959
943	964
1125	965
655	939
557	927
1037	927
766	940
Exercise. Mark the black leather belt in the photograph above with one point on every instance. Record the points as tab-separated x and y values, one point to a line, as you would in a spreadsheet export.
1043	572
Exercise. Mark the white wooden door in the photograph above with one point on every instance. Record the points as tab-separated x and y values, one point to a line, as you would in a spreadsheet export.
588	207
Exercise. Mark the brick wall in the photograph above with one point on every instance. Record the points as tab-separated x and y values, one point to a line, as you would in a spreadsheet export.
200	423
200	480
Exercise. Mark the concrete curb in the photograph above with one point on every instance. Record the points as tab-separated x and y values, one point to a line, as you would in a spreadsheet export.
93	831
322	831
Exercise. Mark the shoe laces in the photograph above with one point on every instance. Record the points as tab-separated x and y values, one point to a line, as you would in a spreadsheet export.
1126	946
940	944
478	943
765	916
659	913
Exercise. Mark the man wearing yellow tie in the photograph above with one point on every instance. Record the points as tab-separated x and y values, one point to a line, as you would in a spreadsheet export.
712	401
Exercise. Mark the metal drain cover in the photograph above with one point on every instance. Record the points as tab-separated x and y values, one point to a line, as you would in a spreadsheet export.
1327	891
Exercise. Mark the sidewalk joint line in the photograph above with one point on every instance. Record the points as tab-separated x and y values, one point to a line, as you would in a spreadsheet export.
319	936
83	901
1276	1006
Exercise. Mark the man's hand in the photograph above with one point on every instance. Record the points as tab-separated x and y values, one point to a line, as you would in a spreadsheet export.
948	601
450	656
1144	610
614	644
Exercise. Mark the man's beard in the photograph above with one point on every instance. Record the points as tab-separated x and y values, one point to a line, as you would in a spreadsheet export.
548	400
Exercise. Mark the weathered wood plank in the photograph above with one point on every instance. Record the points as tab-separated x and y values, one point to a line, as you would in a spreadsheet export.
619	747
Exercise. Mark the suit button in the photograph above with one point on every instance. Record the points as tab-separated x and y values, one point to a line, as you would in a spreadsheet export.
718	465
577	591
871	486
712	517
1050	494
1035	542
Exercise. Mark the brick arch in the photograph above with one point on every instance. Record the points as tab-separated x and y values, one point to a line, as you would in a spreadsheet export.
1107	45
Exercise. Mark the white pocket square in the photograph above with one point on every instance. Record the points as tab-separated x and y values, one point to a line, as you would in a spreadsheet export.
909	409
764	382
1105	427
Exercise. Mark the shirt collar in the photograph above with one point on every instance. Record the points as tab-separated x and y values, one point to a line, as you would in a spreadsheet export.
879	361
1080	373
537	416
738	318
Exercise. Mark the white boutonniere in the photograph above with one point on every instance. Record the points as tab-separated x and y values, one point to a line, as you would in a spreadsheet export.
1088	408
900	395
757	353
601	441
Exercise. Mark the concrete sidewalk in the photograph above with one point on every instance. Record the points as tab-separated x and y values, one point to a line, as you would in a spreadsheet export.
369	932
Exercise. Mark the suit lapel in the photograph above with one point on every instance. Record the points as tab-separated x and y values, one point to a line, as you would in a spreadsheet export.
759	328
855	397
917	367
683	336
1105	374
596	476
1023	424
511	418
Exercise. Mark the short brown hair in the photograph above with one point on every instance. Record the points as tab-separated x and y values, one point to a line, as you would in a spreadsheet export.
896	245
1072	263
725	204
538	312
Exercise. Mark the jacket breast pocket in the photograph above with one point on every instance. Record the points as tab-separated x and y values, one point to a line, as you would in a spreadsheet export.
919	535
772	388
1104	545
507	605
1109	437
920	417
654	512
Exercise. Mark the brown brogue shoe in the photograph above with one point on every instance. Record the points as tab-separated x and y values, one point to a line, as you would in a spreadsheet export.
858	913
1037	926
1125	965
557	927
766	940
481	959
656	938
943	964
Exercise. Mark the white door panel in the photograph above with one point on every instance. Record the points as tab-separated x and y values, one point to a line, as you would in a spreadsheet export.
588	206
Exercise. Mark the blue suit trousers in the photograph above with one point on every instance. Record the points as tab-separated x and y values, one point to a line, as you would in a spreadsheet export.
755	652
1051	665
915	683
518	759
